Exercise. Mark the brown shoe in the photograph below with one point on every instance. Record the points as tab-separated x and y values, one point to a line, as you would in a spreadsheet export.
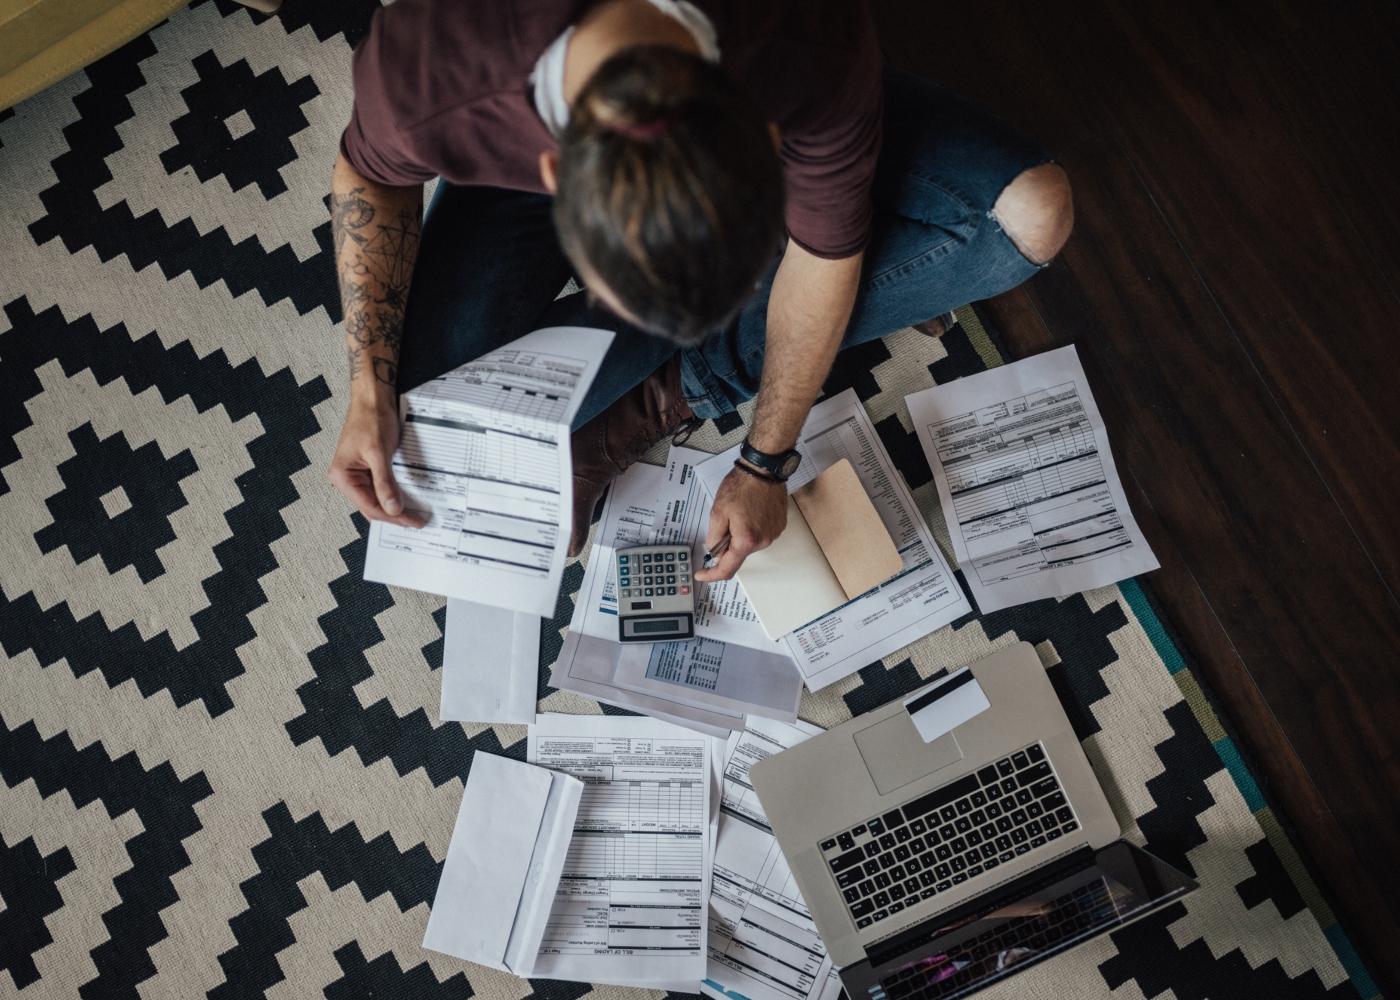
937	326
608	444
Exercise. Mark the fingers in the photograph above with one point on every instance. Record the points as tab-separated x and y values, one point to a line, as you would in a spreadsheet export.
387	491
358	485
740	548
719	527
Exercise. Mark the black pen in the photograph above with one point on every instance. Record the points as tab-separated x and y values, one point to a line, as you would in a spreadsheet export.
720	548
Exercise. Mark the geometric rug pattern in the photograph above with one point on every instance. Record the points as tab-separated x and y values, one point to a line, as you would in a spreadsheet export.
223	771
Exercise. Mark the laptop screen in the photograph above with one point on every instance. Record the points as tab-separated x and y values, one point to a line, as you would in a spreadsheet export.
973	949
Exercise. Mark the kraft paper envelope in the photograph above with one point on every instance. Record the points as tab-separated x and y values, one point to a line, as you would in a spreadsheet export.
503	864
834	548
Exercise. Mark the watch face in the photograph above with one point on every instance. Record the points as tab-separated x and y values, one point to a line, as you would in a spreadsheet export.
790	464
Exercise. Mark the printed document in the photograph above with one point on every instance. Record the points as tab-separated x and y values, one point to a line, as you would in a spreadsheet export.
708	683
630	906
490	664
1027	482
484	457
763	944
923	597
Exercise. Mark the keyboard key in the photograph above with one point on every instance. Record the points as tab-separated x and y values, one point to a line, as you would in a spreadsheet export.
1053	835
926	860
622	560
876	827
863	922
858	830
917	846
1038	842
871	849
902	835
880	914
1044	787
866	887
944	852
671	591
897	892
990	863
960	878
888	860
948	813
918	828
1070	826
1064	815
1019	836
958	845
1035	753
1004	842
896	907
993	811
670	557
988	775
944	886
958	864
988	832
887	841
963	807
994	792
973	837
897	873
902	853
1008	785
882	899
911	886
1033	774
927	894
1053	801
1023	796
942	796
943	871
882	881
963	824
849	877
1005	823
892	819
1006	856
1005	767
989	851
872	867
975	870
1033	828
843	861
926	879
646	557
1022	848
912	866
1019	817
1033	810
947	832
1020	760
852	895
846	841
683	556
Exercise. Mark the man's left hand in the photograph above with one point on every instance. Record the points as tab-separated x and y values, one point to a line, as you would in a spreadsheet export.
753	512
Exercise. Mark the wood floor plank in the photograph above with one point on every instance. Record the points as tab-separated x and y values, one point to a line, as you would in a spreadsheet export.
1291	274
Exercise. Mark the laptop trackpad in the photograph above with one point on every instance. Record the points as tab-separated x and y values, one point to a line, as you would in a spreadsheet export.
895	753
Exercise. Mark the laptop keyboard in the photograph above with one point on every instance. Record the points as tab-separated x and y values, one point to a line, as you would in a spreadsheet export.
969	963
948	836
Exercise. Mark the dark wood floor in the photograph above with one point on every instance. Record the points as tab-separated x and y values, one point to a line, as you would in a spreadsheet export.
1233	286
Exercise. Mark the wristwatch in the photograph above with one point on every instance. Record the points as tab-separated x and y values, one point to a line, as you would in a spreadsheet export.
780	466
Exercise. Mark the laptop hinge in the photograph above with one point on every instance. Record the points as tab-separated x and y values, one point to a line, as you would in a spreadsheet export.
989	901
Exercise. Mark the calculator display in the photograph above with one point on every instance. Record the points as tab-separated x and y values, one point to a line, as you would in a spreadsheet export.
673	625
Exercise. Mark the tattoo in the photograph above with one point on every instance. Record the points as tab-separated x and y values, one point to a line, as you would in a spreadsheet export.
375	257
386	371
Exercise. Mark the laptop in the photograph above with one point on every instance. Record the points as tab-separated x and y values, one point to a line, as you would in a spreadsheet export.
933	869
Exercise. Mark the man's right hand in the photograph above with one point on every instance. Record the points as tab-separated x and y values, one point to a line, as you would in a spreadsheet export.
362	467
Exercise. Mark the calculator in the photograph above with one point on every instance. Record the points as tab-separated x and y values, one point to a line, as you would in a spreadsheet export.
655	594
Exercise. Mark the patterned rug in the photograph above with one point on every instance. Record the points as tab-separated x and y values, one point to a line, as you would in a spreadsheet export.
223	770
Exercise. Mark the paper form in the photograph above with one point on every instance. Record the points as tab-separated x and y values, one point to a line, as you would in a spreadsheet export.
712	681
920	599
763	944
484	457
630	907
1027	482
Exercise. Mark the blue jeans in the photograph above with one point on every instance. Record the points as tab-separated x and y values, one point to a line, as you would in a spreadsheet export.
490	267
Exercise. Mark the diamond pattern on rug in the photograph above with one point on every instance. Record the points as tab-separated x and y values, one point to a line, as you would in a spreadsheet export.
223	772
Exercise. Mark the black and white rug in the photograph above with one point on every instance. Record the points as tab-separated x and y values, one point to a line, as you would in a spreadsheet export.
223	773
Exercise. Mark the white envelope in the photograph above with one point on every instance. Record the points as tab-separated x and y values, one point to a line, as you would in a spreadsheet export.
490	664
503	864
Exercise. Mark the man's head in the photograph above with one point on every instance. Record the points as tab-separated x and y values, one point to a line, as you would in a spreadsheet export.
669	196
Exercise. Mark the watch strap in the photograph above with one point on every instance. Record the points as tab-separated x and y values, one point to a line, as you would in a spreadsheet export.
769	463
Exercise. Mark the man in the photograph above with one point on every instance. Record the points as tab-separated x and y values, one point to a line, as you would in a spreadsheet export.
742	188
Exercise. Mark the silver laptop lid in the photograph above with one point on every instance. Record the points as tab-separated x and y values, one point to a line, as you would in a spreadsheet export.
876	764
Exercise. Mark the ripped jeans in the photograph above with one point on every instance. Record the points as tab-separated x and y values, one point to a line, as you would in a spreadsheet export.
490	267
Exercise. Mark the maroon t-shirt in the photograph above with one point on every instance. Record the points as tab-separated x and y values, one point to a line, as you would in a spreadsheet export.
442	89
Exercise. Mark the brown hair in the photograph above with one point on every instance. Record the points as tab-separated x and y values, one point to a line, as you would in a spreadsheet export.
670	190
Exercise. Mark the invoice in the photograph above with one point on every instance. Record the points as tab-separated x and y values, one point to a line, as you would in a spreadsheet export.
484	458
630	908
1027	482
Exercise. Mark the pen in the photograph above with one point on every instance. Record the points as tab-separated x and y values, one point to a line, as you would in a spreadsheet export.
720	548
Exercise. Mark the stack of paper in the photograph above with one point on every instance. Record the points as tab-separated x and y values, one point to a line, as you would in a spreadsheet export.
490	664
503	864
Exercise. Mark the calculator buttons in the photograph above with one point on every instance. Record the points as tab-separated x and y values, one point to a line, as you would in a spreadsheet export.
670	557
683	556
671	591
685	590
646	557
670	579
647	592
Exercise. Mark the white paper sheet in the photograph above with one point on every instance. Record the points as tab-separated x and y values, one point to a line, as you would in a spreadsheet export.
484	456
707	682
1027	482
490	664
503	864
630	907
921	599
763	944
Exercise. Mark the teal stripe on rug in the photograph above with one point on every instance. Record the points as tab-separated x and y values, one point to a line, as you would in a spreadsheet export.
1244	781
1365	986
1165	648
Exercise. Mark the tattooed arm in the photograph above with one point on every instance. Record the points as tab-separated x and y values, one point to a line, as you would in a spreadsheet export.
376	232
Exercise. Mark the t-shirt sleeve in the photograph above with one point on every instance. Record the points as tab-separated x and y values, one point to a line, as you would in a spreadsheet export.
374	142
829	166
